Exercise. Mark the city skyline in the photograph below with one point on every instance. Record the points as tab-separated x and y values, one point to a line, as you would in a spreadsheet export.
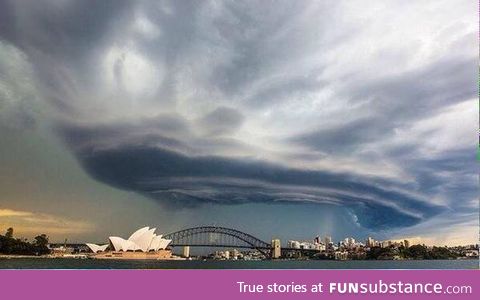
297	119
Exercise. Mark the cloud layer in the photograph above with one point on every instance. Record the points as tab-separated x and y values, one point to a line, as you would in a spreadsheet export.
371	108
33	223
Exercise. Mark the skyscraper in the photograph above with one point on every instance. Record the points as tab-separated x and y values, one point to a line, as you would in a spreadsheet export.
370	242
328	242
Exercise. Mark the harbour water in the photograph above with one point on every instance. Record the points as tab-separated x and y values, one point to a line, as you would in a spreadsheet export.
71	263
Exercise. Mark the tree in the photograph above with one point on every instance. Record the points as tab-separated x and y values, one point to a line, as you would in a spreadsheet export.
418	252
41	244
9	233
380	253
10	245
41	240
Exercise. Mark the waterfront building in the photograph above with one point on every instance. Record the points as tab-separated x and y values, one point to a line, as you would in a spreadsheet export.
471	253
320	247
341	255
306	245
293	244
349	242
329	243
142	240
276	248
328	240
61	251
370	242
222	255
97	248
386	244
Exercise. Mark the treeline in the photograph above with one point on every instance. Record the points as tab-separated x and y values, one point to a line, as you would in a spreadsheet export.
16	246
413	252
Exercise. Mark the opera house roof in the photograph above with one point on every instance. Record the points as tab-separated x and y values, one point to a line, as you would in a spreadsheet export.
97	248
144	239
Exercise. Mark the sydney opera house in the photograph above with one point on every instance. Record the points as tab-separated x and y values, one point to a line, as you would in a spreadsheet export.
142	244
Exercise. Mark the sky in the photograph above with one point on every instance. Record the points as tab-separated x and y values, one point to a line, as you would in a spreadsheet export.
286	119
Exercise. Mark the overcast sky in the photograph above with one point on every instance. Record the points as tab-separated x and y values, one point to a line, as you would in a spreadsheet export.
278	118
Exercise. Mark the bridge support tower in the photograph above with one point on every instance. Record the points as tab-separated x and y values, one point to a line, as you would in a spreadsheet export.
276	248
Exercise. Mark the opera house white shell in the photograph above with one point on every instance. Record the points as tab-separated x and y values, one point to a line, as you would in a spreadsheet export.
144	239
97	248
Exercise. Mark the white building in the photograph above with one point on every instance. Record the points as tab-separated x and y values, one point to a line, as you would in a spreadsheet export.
144	239
97	248
306	245
349	242
293	244
370	242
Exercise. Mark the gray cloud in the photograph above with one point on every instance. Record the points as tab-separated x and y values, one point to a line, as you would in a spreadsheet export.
343	138
187	181
193	102
222	120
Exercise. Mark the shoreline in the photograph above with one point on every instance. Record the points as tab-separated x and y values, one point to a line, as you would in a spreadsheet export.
89	257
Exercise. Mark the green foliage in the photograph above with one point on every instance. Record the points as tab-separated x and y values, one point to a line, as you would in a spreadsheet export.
417	252
413	252
11	245
380	253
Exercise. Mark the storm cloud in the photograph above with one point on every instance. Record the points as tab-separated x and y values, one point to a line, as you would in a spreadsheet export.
226	102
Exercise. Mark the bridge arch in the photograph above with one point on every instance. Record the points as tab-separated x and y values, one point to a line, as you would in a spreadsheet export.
214	236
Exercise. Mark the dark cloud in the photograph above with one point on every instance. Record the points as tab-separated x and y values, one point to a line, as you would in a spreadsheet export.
346	137
269	40
65	30
415	94
186	181
393	103
170	98
451	175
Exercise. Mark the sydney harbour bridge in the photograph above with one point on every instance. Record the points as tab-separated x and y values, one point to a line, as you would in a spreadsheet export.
214	236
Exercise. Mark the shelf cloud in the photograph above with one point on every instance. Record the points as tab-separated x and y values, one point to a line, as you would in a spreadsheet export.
191	102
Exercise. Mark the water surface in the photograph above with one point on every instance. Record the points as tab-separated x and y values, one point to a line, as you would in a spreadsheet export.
71	263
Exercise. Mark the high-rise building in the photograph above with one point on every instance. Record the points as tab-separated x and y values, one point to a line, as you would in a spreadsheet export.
386	244
370	242
328	240
406	243
349	242
276	248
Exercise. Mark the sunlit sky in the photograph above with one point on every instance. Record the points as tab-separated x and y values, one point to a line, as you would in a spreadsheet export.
285	119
